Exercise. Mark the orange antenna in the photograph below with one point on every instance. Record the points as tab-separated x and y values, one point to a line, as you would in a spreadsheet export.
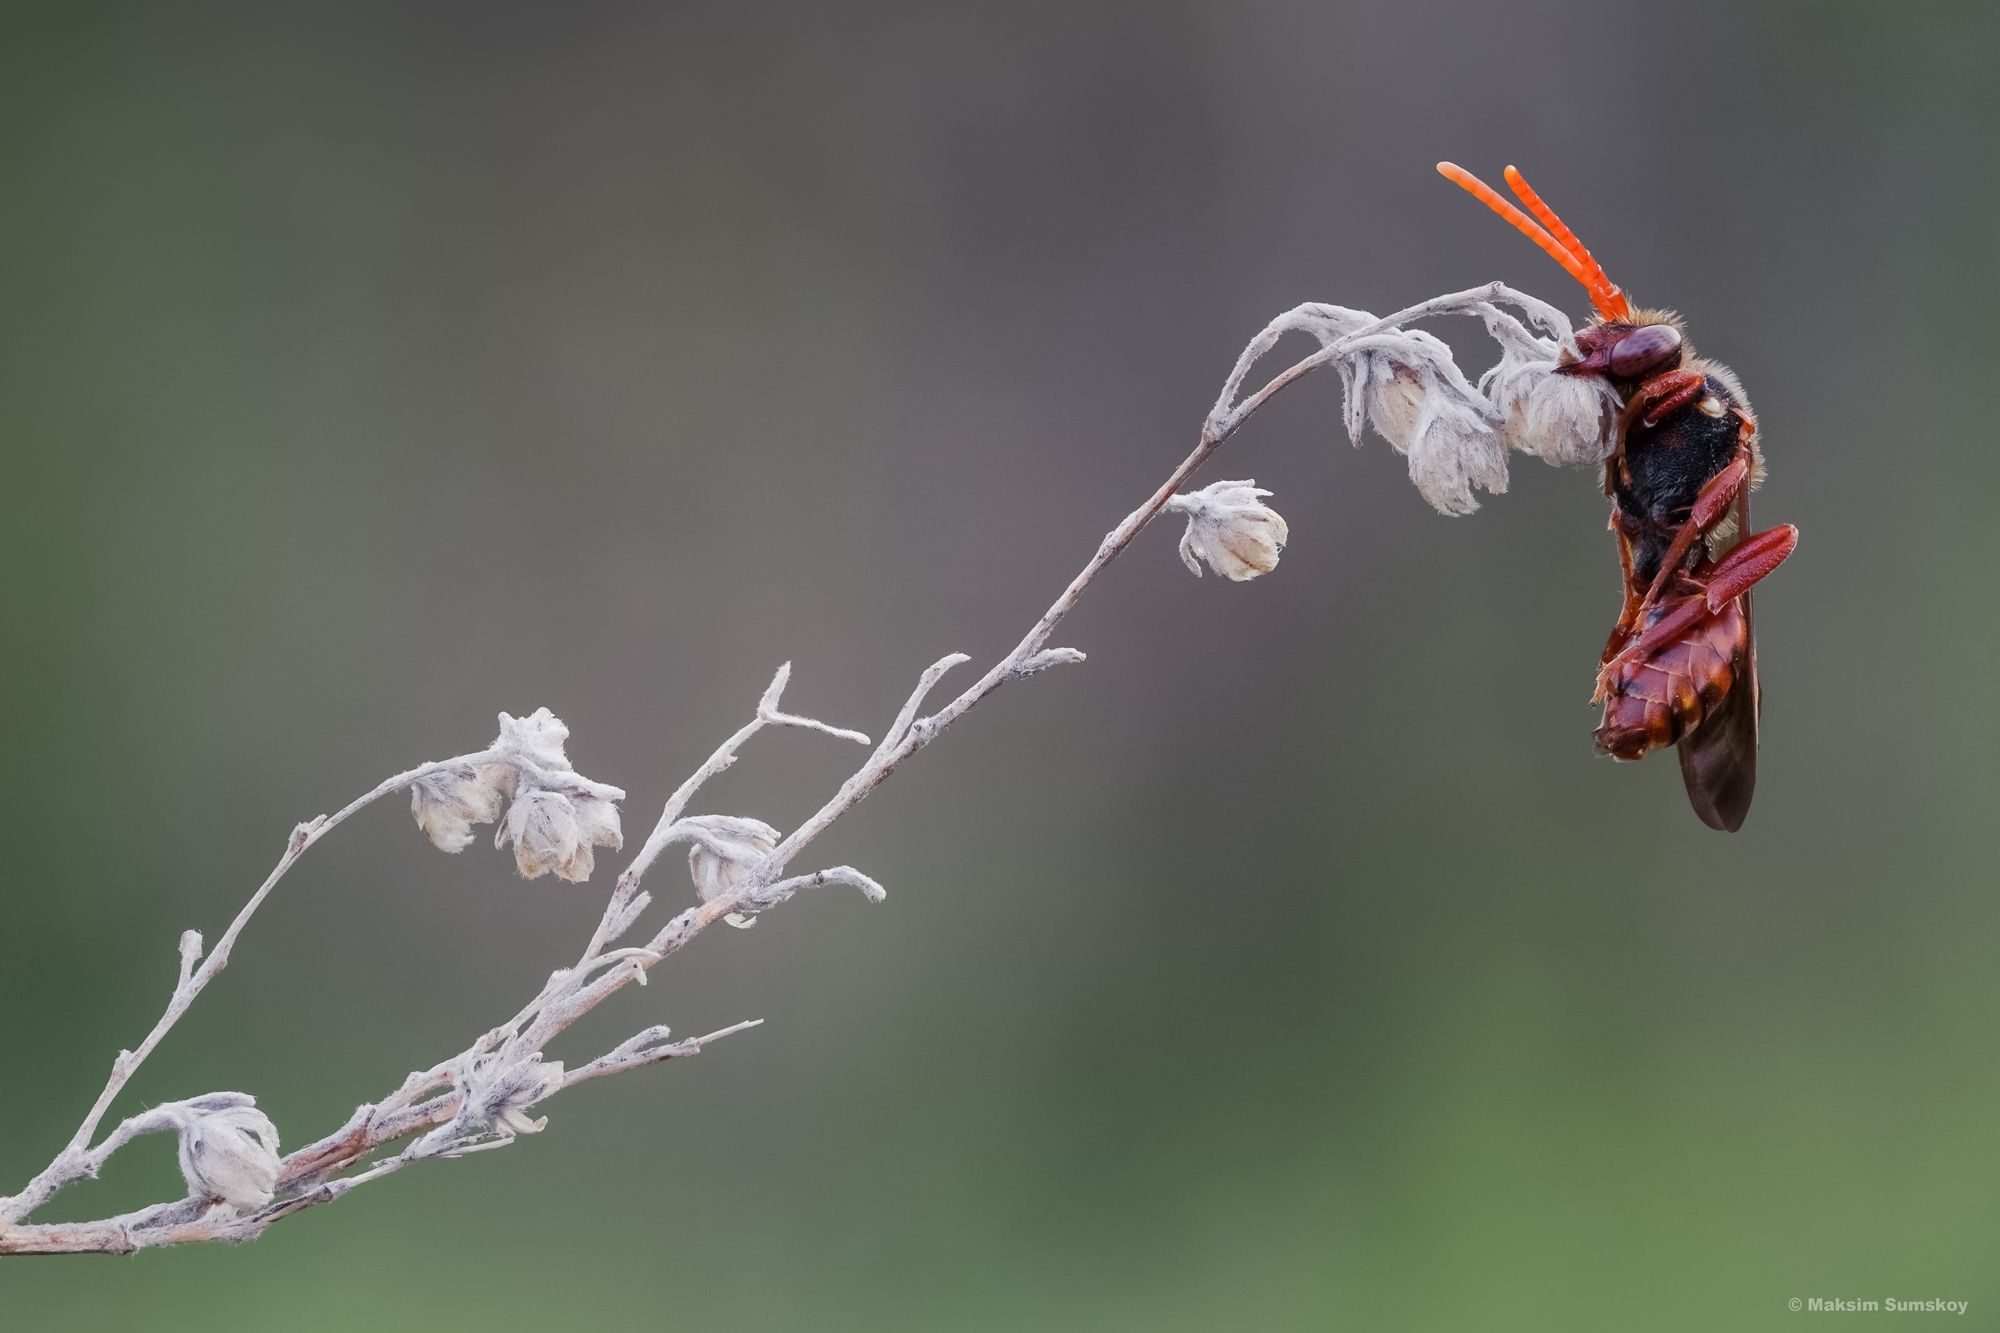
1577	262
1610	301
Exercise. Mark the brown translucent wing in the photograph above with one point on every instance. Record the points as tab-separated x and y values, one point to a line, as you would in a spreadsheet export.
1719	758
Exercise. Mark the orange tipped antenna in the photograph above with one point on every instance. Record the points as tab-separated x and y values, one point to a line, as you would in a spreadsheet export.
1563	246
1610	301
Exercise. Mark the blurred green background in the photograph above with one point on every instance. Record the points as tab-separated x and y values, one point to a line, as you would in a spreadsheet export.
1294	964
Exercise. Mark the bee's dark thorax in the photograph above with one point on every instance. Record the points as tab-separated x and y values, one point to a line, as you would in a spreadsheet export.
1659	469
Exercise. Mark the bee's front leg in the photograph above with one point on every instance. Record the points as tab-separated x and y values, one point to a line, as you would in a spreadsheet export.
1663	394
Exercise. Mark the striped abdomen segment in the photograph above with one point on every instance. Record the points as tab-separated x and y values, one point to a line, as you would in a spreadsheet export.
1654	701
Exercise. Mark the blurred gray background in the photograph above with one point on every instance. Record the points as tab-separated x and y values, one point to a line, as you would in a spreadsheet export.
1294	964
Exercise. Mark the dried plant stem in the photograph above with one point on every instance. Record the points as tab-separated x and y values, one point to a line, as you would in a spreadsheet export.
477	1099
917	734
432	1101
77	1160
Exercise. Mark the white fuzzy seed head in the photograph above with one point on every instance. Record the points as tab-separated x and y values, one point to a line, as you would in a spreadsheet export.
447	804
1564	420
1392	396
229	1151
1412	393
1404	382
551	830
597	819
727	849
556	818
538	738
499	1094
1231	530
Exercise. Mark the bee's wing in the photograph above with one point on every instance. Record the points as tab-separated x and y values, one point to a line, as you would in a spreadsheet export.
1719	758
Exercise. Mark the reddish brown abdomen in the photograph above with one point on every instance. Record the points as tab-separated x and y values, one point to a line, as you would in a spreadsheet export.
1652	703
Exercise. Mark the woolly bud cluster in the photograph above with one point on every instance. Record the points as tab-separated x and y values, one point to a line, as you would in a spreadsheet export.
554	817
1404	383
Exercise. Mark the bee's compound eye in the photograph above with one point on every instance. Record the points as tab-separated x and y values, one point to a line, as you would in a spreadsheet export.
1645	350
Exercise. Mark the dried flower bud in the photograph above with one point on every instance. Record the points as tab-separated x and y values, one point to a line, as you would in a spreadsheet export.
557	817
726	850
447	804
229	1150
1388	396
1404	382
537	738
597	817
555	831
1413	394
1231	529
500	1094
1564	420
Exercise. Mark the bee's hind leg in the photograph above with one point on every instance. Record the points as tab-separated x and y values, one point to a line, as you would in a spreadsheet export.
1747	564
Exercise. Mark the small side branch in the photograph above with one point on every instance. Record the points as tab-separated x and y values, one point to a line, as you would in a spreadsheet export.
1046	658
650	1048
768	715
906	716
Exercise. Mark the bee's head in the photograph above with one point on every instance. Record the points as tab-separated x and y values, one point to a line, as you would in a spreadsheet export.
1628	350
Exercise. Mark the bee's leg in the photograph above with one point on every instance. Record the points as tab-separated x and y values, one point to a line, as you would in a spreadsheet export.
1711	504
1663	394
1746	565
1627	532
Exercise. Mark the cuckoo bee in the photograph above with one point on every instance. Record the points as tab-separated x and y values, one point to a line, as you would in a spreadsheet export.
1680	667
